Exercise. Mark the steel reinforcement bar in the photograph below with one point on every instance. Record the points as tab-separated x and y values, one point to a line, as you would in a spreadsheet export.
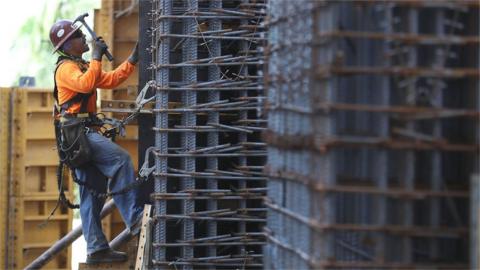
372	133
209	185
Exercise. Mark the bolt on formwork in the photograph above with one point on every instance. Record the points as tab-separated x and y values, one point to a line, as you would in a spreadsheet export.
373	111
209	157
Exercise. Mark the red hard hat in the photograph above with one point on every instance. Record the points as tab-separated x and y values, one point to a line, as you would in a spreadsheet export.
61	31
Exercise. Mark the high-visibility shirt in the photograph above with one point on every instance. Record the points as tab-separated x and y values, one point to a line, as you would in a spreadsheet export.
71	80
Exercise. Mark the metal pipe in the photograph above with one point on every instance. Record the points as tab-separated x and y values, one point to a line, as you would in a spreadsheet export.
66	241
120	239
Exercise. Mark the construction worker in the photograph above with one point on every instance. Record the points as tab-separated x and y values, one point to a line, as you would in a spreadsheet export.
76	81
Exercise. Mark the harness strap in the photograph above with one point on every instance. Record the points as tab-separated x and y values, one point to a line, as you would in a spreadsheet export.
79	97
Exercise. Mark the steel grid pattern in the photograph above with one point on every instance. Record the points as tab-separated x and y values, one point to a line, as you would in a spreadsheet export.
370	139
209	157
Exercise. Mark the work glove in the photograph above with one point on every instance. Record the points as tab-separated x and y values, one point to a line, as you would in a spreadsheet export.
133	58
99	49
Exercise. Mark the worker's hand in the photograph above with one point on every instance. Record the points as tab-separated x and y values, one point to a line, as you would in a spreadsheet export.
133	58
99	49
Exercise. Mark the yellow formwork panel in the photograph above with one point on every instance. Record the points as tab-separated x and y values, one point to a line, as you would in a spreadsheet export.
41	153
104	27
131	146
40	181
38	238
118	24
125	29
4	164
35	162
40	100
17	177
125	35
41	123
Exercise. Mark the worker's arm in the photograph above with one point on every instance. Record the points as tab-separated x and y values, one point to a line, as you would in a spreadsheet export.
114	78
69	76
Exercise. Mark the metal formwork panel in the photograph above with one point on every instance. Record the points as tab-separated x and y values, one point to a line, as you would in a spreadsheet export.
208	119
32	183
117	22
366	130
17	175
4	170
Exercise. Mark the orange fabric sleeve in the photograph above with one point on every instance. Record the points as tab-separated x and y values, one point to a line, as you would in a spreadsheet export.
114	78
70	77
71	80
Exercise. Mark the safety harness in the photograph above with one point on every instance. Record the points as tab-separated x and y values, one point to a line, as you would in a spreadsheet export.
110	128
60	109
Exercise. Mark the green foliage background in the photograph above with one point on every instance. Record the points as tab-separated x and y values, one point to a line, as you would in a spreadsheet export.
35	33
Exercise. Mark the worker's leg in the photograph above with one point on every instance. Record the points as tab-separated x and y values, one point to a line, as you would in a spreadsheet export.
91	206
115	163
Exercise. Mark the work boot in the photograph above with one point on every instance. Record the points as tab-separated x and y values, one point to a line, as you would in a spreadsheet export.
107	255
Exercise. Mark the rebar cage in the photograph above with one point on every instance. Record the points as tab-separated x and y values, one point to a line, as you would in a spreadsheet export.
208	118
372	135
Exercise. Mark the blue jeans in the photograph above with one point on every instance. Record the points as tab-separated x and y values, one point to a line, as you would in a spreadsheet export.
109	161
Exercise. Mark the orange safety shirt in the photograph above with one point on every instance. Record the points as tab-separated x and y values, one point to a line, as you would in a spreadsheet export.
71	80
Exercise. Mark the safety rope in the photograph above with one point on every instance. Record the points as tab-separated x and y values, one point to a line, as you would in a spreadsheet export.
118	128
115	127
142	177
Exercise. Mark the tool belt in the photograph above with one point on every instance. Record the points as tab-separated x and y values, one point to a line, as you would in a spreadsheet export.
74	143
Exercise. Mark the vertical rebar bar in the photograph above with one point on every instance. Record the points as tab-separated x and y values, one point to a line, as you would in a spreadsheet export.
214	74
161	120
189	119
409	160
242	136
328	129
436	180
382	164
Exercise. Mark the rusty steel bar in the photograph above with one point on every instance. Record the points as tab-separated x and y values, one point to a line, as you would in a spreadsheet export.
423	231
399	71
313	183
407	38
312	142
